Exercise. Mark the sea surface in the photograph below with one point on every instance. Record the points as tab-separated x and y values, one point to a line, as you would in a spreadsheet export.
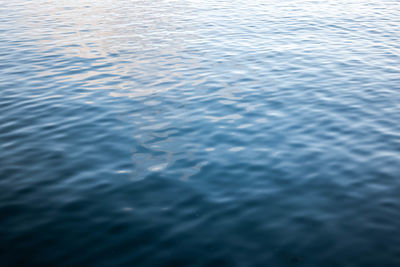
200	133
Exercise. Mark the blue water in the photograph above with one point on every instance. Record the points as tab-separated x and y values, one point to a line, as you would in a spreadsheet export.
200	133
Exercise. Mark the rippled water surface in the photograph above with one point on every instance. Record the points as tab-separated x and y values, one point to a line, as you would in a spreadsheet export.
200	133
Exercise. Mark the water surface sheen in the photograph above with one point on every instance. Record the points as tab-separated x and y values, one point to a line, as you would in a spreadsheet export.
200	133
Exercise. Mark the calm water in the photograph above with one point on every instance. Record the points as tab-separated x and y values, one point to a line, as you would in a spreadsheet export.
200	133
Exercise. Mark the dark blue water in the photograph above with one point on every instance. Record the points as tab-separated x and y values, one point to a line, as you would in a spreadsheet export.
200	133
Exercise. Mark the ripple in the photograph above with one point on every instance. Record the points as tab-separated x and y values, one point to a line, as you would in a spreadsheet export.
178	133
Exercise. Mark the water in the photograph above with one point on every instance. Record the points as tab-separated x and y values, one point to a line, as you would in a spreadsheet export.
200	133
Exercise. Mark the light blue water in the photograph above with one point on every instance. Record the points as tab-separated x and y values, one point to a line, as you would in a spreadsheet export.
200	133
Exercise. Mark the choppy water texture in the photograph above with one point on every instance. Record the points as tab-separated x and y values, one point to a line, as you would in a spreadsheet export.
200	133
